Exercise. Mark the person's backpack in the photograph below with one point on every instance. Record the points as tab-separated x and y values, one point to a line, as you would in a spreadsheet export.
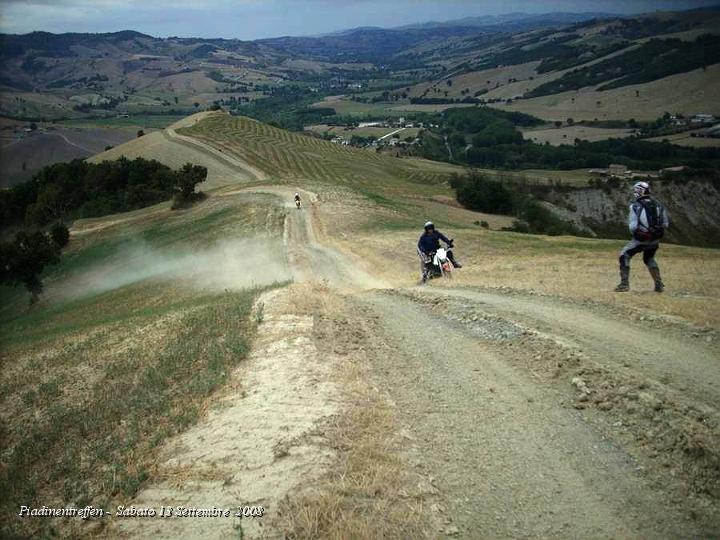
654	213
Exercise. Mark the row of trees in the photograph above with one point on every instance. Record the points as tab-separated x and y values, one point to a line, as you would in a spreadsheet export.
64	191
485	137
78	189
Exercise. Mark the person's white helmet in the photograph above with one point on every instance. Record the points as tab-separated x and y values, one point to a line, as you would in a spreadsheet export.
297	194
429	225
641	189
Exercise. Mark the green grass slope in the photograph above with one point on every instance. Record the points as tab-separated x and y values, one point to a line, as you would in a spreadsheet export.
144	317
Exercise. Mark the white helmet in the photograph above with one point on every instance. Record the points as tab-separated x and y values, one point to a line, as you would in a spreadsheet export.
297	194
429	225
641	189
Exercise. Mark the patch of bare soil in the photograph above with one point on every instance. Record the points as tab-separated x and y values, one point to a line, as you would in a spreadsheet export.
260	438
669	432
372	489
509	451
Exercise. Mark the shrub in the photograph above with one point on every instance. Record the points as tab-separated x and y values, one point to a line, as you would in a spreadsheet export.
478	192
189	176
23	260
78	189
59	234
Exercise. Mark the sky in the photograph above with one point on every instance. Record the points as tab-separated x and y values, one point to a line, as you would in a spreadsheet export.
254	19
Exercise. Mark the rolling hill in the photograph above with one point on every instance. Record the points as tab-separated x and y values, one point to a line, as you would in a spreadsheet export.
480	60
162	333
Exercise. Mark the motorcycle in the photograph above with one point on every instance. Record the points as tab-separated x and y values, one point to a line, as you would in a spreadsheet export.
298	205
437	265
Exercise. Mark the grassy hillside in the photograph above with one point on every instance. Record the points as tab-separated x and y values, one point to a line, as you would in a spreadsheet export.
290	156
175	154
142	320
688	93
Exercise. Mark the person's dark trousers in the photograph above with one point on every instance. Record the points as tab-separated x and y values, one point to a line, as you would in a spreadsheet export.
648	249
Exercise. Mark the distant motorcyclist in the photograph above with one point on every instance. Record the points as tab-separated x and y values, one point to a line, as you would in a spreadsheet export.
298	202
648	221
429	243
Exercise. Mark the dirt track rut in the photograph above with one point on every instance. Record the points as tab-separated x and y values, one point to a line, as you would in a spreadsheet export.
508	457
660	354
508	461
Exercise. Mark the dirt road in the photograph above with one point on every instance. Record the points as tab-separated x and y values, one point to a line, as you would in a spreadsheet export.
509	461
509	456
529	416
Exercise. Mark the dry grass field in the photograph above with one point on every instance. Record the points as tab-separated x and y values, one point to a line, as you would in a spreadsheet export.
567	134
22	154
376	132
175	154
291	156
487	79
686	139
687	93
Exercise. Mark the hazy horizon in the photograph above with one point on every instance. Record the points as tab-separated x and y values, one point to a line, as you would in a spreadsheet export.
257	19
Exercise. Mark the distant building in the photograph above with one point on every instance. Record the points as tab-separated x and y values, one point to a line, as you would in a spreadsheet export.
618	170
703	119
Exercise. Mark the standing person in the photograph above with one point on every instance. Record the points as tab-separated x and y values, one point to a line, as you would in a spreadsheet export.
429	243
647	221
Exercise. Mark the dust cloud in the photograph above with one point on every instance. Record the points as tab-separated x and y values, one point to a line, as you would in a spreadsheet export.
227	265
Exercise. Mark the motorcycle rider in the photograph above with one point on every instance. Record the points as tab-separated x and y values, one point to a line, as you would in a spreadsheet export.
297	200
429	243
647	221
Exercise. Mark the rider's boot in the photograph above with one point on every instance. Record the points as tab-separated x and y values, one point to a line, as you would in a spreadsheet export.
624	284
655	273
453	260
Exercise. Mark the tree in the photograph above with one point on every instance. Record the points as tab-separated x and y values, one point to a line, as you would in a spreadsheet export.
59	234
187	178
23	260
50	204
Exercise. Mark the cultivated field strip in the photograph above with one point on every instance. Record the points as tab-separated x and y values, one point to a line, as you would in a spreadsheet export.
285	154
